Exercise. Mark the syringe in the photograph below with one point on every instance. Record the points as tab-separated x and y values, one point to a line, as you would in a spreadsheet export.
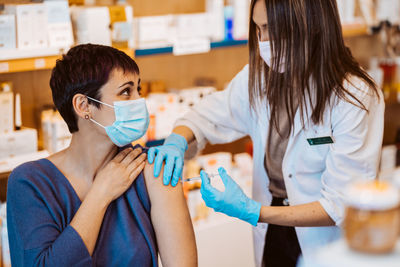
198	177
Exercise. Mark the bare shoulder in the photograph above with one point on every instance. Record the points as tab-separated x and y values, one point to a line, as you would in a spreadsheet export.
157	190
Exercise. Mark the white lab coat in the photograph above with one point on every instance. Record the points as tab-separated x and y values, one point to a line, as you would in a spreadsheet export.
311	173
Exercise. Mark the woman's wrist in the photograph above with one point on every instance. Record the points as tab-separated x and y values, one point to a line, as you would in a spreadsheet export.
185	132
99	196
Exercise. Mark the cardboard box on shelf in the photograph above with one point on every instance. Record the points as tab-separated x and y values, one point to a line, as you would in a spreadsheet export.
388	10
91	25
241	19
192	25
56	135
31	25
8	38
6	108
17	143
121	19
163	109
216	20
59	24
154	31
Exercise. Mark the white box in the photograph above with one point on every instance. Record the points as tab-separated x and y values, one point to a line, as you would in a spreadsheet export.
163	108
388	158
388	10
192	25
8	38
31	21
92	25
59	26
18	143
23	17
40	26
216	20
154	31
123	25
191	96
346	10
6	112
56	135
241	19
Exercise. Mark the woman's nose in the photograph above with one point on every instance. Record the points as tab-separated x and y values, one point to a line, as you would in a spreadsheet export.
264	36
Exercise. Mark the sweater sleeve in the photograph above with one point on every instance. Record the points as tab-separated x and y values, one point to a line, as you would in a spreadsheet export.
37	235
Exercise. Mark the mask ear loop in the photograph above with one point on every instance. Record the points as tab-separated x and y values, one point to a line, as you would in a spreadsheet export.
92	120
98	101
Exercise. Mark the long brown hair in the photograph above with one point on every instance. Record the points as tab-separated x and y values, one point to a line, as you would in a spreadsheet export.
307	35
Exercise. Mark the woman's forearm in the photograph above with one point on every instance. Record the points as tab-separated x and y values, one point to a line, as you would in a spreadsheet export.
186	132
306	215
89	217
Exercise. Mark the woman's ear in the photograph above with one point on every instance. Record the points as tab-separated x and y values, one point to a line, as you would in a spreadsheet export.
81	106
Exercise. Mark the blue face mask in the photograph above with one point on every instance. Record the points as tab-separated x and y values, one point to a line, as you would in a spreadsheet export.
131	121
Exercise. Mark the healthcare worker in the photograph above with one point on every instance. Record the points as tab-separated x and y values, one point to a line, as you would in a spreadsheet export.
316	121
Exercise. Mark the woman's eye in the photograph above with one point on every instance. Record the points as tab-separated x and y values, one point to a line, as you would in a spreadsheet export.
125	92
139	89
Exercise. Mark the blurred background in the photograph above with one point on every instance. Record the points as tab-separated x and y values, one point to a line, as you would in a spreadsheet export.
185	50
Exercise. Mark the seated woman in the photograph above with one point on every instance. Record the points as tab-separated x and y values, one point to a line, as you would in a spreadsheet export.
97	203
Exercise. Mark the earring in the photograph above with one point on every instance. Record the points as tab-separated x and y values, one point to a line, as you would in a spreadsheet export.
86	116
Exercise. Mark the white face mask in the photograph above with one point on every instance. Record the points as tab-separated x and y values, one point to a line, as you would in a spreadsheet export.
266	55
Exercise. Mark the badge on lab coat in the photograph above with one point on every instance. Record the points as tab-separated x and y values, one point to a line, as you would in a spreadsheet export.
320	141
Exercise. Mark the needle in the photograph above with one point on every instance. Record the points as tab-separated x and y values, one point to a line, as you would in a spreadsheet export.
198	178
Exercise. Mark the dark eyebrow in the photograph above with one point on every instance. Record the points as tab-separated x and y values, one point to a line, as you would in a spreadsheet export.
127	83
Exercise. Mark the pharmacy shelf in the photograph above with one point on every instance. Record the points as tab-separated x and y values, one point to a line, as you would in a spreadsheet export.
30	60
350	30
20	60
354	30
169	49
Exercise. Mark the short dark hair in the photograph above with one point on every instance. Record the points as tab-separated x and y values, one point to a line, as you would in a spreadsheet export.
85	69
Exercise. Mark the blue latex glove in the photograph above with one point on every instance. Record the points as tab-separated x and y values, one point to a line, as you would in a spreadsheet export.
172	151
233	202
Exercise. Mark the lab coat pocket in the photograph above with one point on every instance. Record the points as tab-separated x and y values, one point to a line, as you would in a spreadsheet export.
318	141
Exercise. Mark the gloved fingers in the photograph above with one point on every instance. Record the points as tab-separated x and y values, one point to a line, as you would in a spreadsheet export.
226	179
205	180
177	171
169	165
158	163
151	154
206	188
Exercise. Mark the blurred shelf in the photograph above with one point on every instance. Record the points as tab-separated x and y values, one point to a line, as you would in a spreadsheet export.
354	30
30	60
169	49
349	30
44	59
9	163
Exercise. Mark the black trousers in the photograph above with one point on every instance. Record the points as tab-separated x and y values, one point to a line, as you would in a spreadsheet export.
281	247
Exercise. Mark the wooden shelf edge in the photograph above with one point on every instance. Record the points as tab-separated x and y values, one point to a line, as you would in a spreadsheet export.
38	63
169	49
355	30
